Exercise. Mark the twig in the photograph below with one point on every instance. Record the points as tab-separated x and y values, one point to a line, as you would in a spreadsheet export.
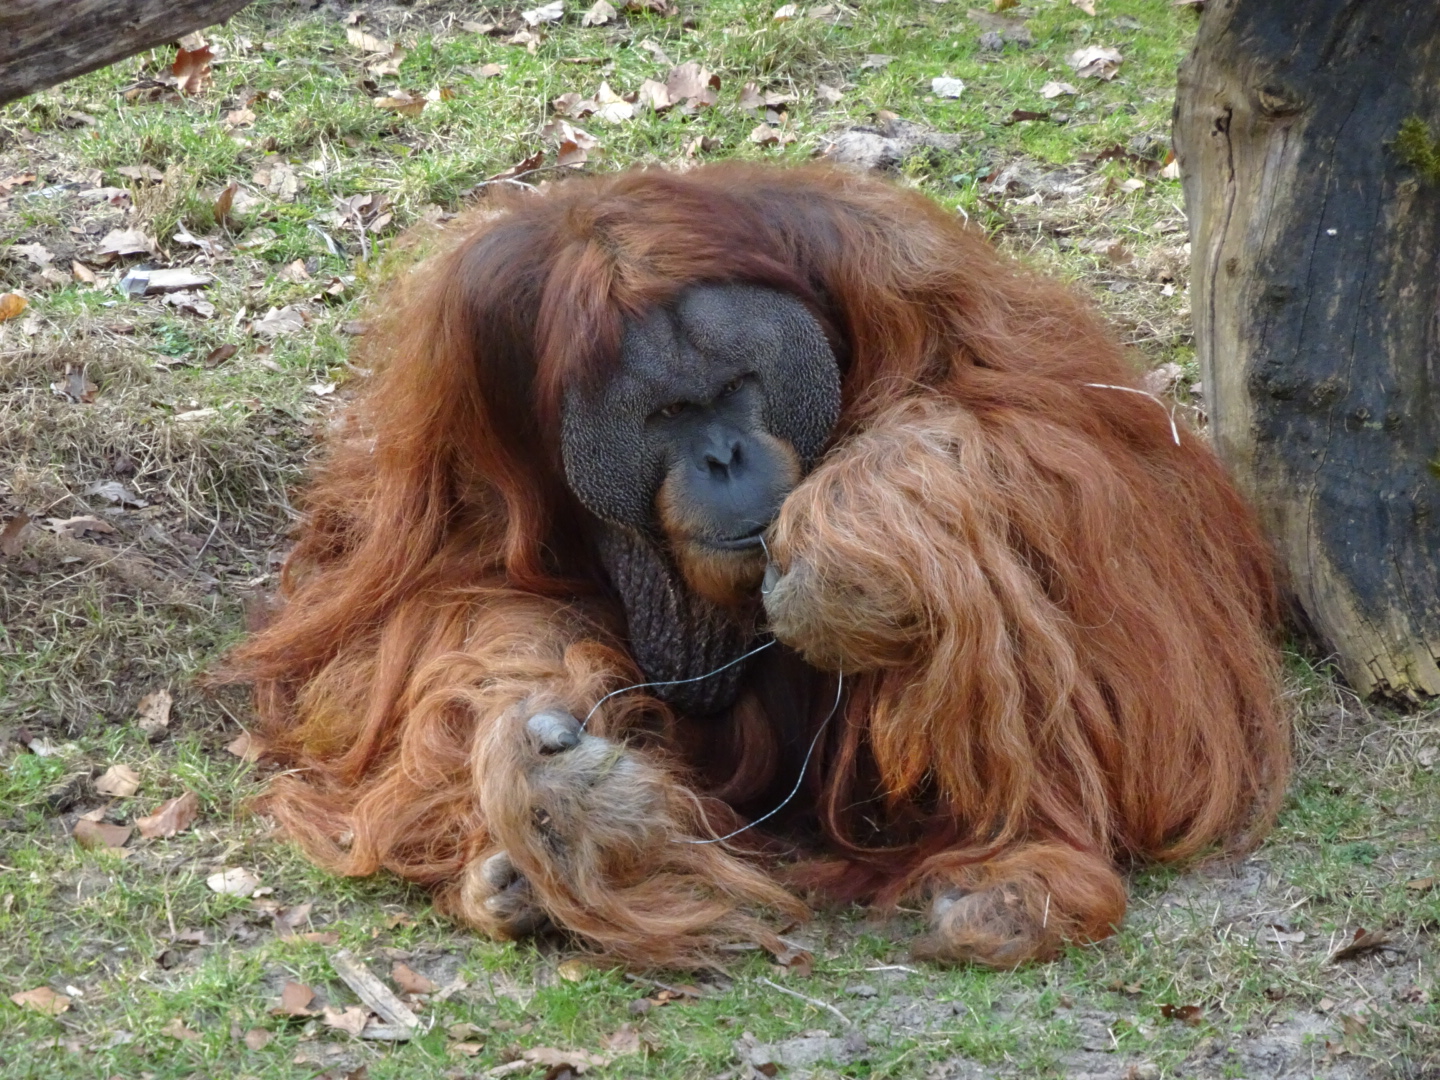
677	991
893	967
400	1022
809	1001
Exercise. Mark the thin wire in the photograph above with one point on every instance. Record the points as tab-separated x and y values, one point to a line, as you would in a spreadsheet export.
673	682
804	767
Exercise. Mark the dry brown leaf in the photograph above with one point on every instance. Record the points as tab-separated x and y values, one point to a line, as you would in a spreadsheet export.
1424	884
280	321
1087	6
154	712
411	981
692	84
490	71
1363	942
176	1029
625	1040
578	1060
295	999
598	15
350	1020
82	273
402	102
75	385
10	183
12	536
96	835
466	1049
12	304
655	95
191	69
42	1000
118	781
366	42
765	135
1096	62
233	881
246	747
257	1038
1192	1015
529	164
224	202
174	815
119	242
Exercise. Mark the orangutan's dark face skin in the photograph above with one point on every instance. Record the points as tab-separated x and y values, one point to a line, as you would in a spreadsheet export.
720	404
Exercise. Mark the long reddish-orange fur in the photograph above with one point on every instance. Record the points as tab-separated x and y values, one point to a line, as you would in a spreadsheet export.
1055	622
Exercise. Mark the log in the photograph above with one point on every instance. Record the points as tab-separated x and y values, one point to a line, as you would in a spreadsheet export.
44	42
1315	288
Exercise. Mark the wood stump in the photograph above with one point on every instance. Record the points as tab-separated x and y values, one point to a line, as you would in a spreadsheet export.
1315	288
44	42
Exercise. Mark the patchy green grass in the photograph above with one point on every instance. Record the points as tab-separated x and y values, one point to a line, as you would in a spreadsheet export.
1224	971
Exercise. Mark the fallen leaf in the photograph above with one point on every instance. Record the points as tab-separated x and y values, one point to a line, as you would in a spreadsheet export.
573	106
278	322
37	254
1363	942
98	835
233	881
42	1000
1192	1015
10	183
467	1049
366	42
147	173
625	1040
553	12
655	95
295	999
11	305
1095	62
875	61
1087	6
113	491
1424	884
1020	116
786	12
191	69
1170	171
173	816
765	135
12	537
577	1060
411	981
191	304
82	273
224	202
946	87
154	711
490	71
692	84
829	94
1054	89
246	747
388	64
401	101
75	385
440	93
1276	933
257	1038
119	242
520	168
350	1020
796	961
279	178
598	15
118	781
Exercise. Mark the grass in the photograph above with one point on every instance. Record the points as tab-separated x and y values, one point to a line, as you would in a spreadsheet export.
89	624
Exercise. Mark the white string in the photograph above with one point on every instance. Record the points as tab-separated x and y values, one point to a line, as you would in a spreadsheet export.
804	767
673	682
1169	411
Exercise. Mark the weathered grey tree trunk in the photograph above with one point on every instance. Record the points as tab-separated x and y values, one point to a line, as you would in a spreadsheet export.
1316	296
43	42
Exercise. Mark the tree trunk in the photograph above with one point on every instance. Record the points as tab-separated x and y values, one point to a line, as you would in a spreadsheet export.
1315	287
43	42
